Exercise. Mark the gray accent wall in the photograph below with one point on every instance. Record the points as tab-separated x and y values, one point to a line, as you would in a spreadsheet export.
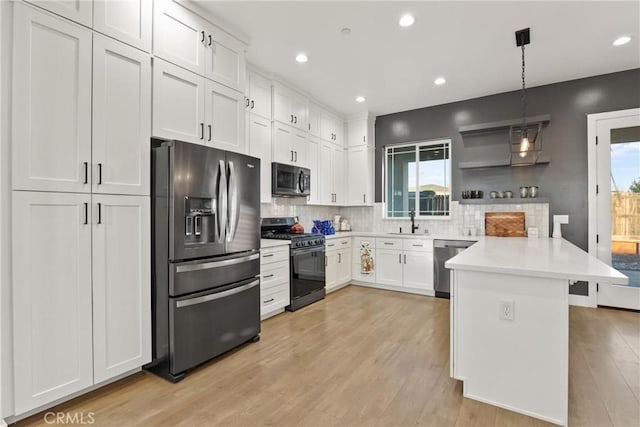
563	180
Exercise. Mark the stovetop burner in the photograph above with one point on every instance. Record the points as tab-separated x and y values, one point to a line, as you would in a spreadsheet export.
278	228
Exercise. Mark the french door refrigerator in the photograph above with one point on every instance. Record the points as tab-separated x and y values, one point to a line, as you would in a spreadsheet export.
205	254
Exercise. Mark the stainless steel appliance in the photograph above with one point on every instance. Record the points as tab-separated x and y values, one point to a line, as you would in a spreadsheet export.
290	181
443	250
307	261
205	254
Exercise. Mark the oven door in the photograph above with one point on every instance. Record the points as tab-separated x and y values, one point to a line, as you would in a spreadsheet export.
307	271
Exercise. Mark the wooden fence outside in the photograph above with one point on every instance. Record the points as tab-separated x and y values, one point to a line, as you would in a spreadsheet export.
625	221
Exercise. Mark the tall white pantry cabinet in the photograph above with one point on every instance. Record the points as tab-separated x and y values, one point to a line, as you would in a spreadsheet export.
81	129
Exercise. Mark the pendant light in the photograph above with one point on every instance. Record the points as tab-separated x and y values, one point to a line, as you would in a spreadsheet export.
525	139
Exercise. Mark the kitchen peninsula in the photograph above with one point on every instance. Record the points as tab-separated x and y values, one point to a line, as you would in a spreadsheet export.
510	321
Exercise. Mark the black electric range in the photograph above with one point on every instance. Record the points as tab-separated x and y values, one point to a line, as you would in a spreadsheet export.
307	261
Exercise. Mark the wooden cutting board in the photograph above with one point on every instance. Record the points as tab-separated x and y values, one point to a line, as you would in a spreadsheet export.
504	224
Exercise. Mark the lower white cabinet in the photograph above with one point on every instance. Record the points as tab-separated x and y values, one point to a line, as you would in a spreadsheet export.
389	267
68	335
332	176
274	280
338	263
405	262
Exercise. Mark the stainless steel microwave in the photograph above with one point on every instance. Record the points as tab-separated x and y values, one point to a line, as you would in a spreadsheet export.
290	181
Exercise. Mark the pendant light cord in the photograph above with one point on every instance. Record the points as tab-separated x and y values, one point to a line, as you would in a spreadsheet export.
523	97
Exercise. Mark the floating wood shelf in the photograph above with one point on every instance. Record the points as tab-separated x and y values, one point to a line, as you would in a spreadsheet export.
503	201
497	163
501	125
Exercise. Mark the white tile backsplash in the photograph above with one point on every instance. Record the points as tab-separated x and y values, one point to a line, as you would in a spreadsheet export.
371	218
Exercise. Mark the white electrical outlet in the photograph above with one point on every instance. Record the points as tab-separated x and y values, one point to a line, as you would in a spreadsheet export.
507	310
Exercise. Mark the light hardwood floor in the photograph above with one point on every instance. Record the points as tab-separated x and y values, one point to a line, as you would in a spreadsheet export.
367	357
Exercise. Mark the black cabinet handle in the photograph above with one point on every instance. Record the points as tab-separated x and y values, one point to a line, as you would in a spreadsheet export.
269	300
209	126
202	32
201	130
86	213
292	118
252	104
364	139
247	102
269	276
399	258
296	153
86	172
309	126
210	41
99	213
292	155
295	119
99	173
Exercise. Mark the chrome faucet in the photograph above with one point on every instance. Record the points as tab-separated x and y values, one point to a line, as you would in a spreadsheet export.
414	227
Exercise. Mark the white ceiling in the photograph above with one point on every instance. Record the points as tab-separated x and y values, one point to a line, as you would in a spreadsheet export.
471	44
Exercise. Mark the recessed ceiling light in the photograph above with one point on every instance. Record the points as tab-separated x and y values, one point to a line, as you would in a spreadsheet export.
621	40
406	20
301	57
440	81
345	31
360	99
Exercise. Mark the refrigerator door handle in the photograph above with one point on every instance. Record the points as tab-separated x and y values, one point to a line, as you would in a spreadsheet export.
221	218
215	264
212	297
234	211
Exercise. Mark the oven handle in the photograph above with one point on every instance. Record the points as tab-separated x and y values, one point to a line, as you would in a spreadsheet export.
295	252
212	297
215	264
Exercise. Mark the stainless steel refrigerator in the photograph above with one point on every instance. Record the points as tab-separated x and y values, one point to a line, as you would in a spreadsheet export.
205	254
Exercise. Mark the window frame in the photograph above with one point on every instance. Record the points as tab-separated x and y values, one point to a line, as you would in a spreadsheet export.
416	146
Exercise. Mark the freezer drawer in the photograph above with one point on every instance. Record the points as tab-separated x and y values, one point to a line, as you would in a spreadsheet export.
206	325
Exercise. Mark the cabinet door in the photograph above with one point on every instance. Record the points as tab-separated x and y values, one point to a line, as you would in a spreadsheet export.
327	126
51	297
360	161
339	176
126	20
313	163
389	267
121	118
326	174
331	270
314	120
418	270
260	95
225	59
299	146
357	133
344	266
121	284
224	121
283	105
178	103
300	107
363	270
79	11
281	144
51	103
179	36
260	147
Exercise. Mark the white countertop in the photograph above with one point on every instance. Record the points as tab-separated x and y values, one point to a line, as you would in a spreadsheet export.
342	234
542	257
272	243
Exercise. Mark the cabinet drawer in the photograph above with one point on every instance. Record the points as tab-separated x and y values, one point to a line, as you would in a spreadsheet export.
274	300
418	245
388	243
274	274
269	255
336	244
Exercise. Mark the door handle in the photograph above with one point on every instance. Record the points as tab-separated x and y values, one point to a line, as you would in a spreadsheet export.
268	300
86	213
99	213
215	264
86	172
295	119
209	132
99	173
292	118
201	130
221	195
253	104
292	155
246	100
405	258
268	276
364	198
197	225
399	258
234	211
210	40
202	32
339	258
296	153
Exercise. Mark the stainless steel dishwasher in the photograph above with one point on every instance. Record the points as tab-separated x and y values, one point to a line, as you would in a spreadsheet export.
443	250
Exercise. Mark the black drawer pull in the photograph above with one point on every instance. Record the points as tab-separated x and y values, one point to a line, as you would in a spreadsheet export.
269	300
267	255
268	276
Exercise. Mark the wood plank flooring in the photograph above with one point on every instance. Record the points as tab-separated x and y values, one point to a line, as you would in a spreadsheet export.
368	357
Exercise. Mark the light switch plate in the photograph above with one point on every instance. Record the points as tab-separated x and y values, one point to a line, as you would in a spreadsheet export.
507	309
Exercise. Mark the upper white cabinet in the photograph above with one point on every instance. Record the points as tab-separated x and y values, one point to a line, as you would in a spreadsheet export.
178	103
126	20
332	128
225	59
360	132
360	176
121	118
332	174
79	11
51	116
121	285
224	117
52	318
185	39
259	137
289	145
315	120
313	163
258	95
289	107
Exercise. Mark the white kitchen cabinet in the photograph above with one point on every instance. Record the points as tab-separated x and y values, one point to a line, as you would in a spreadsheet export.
121	284
360	175
289	145
417	270
289	107
338	262
179	36
360	272
389	267
225	59
313	163
259	130
52	317
224	118
332	128
332	174
339	175
274	280
121	118
299	146
79	11
344	266
361	131
51	117
406	263
178	103
331	270
315	120
258	95
126	20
